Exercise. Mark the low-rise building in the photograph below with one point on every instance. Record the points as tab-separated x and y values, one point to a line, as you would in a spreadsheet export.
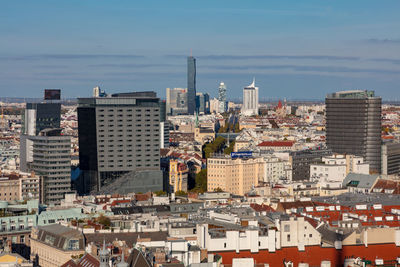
54	245
178	176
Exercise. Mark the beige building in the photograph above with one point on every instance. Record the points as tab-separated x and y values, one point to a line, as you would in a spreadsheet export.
53	245
16	187
234	175
178	176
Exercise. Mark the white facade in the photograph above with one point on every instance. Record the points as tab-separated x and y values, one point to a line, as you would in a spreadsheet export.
333	169
214	105
250	100
275	169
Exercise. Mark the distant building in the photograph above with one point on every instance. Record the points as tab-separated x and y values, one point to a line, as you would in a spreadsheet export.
178	176
15	187
118	135
214	105
234	175
250	100
203	103
191	85
391	158
222	97
353	125
176	103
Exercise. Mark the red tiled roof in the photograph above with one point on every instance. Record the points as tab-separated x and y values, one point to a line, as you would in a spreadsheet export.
277	143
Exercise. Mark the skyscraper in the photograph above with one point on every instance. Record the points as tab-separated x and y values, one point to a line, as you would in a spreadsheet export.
191	85
222	97
250	100
176	101
353	125
119	135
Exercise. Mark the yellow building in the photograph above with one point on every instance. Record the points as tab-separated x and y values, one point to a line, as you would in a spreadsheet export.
53	245
234	175
178	176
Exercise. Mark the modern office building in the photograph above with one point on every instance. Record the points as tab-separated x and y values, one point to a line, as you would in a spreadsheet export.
118	135
301	161
52	162
176	103
391	158
191	85
250	100
222	97
203	103
353	125
37	117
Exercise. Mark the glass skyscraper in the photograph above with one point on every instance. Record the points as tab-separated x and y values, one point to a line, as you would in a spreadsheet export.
191	86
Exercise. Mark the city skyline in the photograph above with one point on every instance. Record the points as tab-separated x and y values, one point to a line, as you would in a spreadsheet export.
294	50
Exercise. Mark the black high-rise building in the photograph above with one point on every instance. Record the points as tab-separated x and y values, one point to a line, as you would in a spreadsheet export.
191	86
120	135
353	125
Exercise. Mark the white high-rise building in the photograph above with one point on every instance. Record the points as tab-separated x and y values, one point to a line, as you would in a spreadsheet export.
250	100
222	97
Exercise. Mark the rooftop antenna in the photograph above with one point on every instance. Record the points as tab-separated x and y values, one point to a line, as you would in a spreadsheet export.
190	51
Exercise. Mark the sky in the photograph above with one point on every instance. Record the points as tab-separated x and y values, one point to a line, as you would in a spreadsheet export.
294	49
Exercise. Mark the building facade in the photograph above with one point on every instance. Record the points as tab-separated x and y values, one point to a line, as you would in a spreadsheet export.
191	85
353	125
250	100
176	103
222	97
234	175
118	135
391	158
52	162
178	176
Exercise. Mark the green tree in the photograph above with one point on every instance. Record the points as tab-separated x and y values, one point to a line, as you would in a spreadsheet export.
180	193
103	220
201	181
229	149
160	193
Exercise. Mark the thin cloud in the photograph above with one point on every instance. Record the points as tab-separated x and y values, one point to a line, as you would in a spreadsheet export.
130	65
246	57
383	41
390	60
302	68
70	57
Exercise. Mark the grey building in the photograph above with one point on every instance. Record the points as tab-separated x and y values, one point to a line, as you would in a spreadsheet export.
52	162
203	103
118	135
222	97
391	158
176	103
353	125
36	117
191	85
301	161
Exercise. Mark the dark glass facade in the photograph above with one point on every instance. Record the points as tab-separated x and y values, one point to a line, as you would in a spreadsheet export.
191	86
353	125
47	115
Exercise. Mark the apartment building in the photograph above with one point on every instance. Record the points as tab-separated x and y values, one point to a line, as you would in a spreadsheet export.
178	176
234	175
15	187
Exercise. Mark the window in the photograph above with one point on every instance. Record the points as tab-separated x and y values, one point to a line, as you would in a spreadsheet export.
224	245
73	244
287	228
288	238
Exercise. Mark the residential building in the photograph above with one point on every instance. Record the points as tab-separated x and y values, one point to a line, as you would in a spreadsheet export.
277	145
275	169
118	135
301	161
250	100
15	187
191	85
332	170
52	162
234	175
353	125
391	158
222	97
178	176
214	105
54	245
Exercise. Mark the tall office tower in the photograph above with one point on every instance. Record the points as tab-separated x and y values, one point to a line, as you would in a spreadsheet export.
120	136
222	97
191	85
52	162
353	125
206	103
176	101
250	100
37	117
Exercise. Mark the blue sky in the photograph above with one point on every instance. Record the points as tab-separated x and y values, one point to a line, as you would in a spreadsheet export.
295	49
